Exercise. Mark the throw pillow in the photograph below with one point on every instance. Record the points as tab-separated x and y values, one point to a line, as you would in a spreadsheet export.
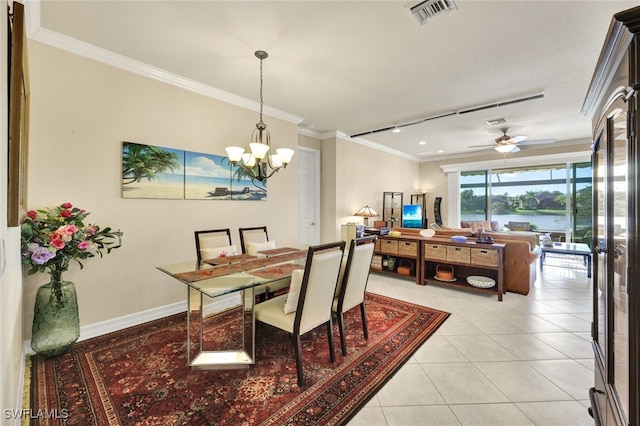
291	302
254	248
213	253
484	225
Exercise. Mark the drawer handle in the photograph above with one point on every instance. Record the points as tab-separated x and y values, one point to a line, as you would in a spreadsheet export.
435	247
457	248
484	251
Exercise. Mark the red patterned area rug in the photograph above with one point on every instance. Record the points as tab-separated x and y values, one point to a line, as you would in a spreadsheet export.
139	376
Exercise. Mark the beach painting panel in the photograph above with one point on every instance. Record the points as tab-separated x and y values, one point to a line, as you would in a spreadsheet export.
152	172
213	177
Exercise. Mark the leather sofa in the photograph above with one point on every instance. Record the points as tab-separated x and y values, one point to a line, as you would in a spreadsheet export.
520	255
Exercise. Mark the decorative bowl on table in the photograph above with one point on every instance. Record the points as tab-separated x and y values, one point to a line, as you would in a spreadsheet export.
459	239
480	281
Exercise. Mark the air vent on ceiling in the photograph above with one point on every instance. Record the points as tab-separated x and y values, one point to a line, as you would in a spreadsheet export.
430	8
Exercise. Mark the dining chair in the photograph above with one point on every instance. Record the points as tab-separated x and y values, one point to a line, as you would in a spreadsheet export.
352	286
317	285
254	239
211	243
251	237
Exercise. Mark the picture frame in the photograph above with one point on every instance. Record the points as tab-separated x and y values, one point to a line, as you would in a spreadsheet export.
18	117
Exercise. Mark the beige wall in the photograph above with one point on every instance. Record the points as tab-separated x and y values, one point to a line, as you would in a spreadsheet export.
359	176
81	112
310	142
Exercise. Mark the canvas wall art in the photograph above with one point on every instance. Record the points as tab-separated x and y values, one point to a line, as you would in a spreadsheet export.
152	172
156	172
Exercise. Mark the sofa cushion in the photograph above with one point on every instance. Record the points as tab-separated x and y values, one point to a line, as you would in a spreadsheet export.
484	224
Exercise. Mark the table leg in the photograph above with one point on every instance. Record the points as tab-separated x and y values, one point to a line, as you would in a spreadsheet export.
188	325
588	256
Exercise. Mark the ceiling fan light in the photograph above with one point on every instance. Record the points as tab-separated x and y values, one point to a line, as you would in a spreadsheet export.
504	148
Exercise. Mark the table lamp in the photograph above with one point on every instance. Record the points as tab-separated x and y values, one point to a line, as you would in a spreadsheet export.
366	212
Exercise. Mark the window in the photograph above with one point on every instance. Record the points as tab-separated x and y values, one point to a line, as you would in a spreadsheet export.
552	198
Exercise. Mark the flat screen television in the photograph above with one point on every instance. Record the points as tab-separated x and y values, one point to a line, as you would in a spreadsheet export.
412	216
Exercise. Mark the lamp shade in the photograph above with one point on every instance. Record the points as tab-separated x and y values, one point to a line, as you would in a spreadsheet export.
285	155
248	160
259	150
366	211
234	153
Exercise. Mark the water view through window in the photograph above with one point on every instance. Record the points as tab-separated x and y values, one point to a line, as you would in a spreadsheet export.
551	198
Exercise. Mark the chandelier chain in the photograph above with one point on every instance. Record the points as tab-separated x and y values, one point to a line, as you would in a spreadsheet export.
261	81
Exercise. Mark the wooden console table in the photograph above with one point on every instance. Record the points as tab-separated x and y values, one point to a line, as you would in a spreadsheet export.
406	252
467	259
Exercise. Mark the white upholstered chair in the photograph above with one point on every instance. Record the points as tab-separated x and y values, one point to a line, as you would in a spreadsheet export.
255	239
313	308
210	244
252	237
352	286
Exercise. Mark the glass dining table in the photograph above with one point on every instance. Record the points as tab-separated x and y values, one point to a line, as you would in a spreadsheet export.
207	282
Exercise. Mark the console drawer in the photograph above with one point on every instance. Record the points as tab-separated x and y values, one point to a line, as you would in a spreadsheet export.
458	254
484	257
408	248
435	251
389	246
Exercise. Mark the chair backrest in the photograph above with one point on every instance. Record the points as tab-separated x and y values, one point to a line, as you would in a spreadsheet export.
210	241
318	286
256	234
519	226
356	273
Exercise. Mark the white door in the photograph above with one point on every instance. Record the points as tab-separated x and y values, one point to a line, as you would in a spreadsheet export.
308	196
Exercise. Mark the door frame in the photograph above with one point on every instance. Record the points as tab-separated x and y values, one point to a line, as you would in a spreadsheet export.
316	193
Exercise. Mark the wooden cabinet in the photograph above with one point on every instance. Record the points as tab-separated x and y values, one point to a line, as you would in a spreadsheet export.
398	256
612	102
464	260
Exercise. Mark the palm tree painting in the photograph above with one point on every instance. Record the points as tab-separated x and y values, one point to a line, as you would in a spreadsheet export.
212	177
152	172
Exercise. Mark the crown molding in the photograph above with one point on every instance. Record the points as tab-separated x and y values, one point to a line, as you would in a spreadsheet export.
309	132
377	146
61	41
534	160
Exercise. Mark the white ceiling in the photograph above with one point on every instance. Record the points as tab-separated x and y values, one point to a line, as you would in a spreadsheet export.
356	66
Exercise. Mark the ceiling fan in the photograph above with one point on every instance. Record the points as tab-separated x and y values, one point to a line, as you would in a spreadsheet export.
506	143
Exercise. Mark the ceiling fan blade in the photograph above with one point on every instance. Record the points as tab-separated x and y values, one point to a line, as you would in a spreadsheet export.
481	146
517	139
514	150
537	142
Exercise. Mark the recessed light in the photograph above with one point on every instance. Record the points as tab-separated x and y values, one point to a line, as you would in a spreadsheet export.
396	130
422	143
441	151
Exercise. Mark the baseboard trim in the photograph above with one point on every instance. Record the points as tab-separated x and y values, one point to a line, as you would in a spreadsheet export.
100	328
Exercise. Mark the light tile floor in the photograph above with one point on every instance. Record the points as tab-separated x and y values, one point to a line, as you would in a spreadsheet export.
524	361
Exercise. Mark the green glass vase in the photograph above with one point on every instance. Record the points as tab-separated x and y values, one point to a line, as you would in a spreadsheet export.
56	323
